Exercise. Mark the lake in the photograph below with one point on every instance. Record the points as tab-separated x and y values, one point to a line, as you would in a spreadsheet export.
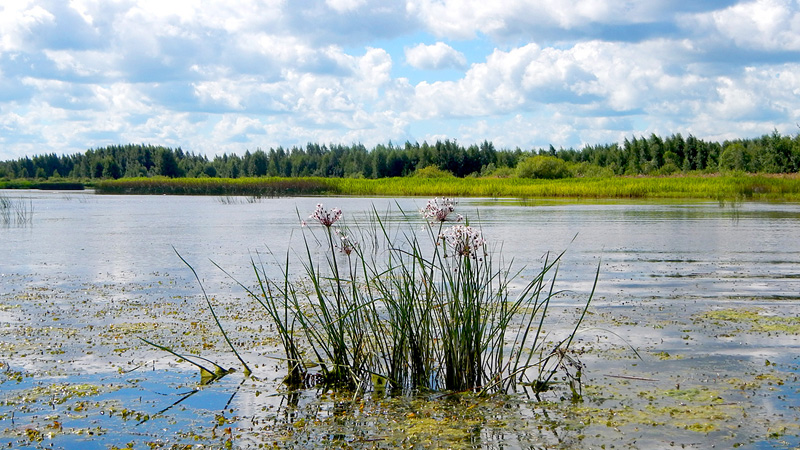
692	338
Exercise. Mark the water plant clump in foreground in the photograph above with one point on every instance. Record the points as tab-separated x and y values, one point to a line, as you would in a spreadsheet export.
414	305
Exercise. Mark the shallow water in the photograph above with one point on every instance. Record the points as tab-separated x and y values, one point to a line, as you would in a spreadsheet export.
706	293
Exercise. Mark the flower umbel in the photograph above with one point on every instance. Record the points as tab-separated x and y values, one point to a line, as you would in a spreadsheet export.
438	209
324	217
465	241
346	245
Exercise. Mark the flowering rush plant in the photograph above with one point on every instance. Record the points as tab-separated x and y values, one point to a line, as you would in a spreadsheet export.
325	217
411	315
347	244
465	240
439	208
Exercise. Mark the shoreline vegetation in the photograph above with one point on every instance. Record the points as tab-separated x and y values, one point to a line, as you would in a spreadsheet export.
701	187
764	168
64	185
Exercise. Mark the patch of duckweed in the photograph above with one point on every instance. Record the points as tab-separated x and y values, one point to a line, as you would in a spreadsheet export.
756	320
56	393
50	429
696	409
762	380
701	418
129	414
778	431
698	395
132	328
4	308
667	356
6	374
611	417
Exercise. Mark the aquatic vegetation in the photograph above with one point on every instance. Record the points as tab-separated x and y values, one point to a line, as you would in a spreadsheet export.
57	393
667	356
408	312
716	187
224	188
326	218
438	209
15	211
240	199
464	240
755	320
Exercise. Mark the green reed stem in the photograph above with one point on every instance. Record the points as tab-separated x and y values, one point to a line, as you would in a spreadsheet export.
247	371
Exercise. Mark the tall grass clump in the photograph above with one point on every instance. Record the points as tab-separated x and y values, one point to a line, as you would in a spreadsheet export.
423	305
15	211
251	187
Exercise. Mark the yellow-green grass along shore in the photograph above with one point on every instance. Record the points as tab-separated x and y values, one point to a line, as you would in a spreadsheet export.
717	187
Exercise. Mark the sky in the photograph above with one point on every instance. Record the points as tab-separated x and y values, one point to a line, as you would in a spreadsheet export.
216	77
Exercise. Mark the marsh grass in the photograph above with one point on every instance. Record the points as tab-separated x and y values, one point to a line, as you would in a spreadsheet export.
61	185
417	306
222	187
713	187
239	199
15	211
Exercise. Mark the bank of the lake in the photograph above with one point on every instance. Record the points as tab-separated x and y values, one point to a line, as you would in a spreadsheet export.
715	187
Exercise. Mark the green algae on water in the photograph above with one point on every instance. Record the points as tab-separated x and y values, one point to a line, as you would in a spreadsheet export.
754	320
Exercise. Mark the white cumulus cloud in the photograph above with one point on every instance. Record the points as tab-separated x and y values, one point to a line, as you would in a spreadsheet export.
434	57
225	76
761	24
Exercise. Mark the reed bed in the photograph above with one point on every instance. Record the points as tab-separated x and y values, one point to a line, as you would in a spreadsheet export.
15	211
757	187
43	185
717	187
249	187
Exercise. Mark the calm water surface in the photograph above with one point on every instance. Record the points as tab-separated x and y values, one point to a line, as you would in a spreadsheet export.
668	249
662	265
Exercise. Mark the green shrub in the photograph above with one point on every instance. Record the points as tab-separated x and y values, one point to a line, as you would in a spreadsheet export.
432	172
498	172
667	169
542	166
588	170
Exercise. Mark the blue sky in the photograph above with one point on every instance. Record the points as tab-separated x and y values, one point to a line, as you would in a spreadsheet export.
227	76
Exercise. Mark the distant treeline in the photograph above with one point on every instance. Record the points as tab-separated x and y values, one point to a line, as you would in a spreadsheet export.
773	153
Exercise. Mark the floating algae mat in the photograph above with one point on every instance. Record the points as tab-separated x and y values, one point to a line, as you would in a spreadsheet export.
70	384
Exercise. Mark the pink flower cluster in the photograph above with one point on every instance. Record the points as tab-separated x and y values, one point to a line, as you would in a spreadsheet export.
438	209
324	217
465	240
346	245
328	218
